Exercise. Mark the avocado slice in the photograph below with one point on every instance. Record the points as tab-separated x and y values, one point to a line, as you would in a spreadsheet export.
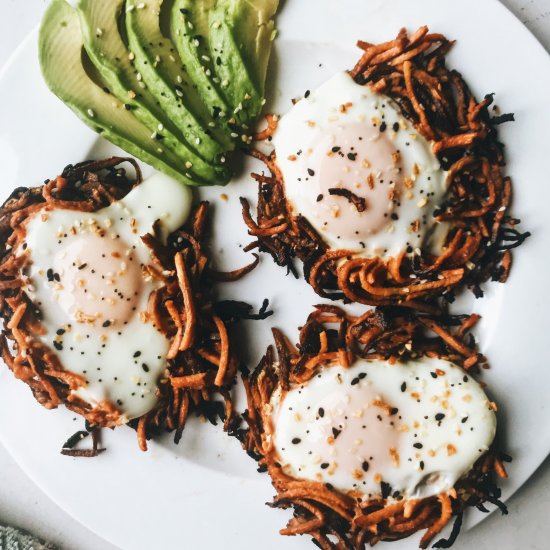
244	99
107	50
252	25
190	30
61	51
158	62
230	39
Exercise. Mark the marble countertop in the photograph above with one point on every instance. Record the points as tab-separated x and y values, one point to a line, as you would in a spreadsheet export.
24	505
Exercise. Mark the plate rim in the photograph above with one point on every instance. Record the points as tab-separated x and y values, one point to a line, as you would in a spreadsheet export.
5	70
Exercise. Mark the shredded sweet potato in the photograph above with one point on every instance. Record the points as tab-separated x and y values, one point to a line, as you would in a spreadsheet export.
202	363
411	71
332	518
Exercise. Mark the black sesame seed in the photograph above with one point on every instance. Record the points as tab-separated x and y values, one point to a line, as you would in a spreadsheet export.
321	412
296	441
404	387
324	465
319	197
137	354
418	445
385	488
439	417
383	127
352	156
365	466
311	172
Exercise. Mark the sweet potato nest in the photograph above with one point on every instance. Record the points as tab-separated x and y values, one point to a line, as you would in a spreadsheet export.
412	71
202	362
333	519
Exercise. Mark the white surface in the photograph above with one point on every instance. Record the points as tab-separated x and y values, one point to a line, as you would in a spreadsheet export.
24	505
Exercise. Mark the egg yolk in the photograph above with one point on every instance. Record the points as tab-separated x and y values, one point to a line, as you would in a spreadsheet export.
351	433
354	179
98	280
363	429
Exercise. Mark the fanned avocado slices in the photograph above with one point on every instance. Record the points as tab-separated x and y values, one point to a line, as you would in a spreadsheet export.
106	48
189	29
213	38
177	83
61	59
162	71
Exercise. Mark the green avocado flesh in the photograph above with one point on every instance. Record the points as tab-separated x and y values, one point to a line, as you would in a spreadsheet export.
177	83
252	24
109	53
61	55
158	62
190	31
227	44
243	98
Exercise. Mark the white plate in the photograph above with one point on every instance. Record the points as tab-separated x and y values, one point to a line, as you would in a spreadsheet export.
206	492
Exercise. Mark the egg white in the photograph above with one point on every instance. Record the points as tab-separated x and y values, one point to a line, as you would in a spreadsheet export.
122	359
331	116
418	427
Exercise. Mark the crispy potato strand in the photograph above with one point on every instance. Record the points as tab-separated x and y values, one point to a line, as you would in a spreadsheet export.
410	70
333	518
201	364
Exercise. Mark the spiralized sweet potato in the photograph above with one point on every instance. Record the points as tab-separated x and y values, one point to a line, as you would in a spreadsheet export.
410	70
202	362
332	518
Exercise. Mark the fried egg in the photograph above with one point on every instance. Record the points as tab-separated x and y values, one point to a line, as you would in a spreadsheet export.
416	427
359	172
86	275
